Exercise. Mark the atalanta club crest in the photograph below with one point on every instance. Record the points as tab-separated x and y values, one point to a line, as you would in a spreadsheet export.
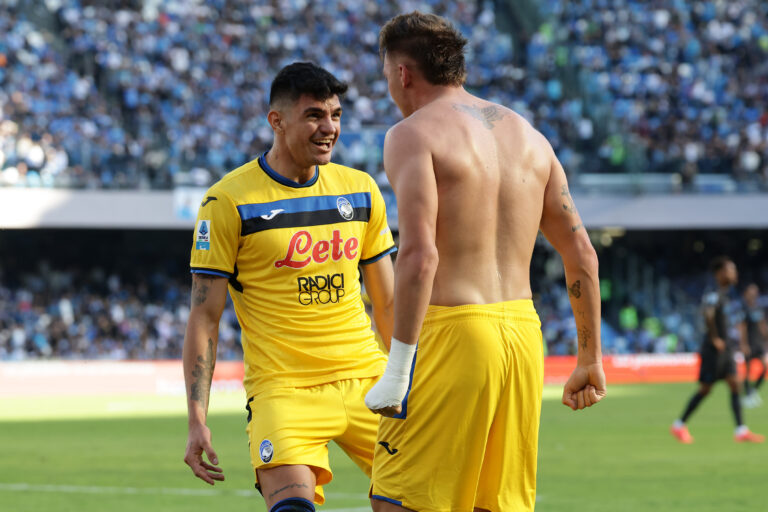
345	208
266	450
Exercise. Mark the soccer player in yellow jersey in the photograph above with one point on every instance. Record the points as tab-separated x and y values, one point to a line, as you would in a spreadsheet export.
474	184
286	233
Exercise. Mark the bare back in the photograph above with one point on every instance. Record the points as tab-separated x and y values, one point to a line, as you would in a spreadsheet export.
491	170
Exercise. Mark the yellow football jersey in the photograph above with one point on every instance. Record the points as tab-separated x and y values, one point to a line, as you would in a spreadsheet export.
291	252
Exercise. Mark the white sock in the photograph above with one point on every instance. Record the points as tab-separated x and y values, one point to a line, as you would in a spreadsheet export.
678	424
741	430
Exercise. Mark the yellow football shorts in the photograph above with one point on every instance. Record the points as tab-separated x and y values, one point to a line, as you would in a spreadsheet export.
468	433
294	425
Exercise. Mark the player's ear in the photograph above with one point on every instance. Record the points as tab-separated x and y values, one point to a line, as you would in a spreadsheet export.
275	119
406	76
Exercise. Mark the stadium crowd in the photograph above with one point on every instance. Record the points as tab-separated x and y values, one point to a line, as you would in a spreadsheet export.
71	313
149	94
687	79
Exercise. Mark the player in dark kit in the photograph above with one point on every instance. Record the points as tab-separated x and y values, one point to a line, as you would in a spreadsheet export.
756	332
716	355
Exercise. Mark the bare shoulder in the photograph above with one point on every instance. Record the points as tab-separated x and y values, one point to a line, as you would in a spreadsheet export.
411	132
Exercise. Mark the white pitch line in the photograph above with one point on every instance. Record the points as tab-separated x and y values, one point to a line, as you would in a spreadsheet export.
92	489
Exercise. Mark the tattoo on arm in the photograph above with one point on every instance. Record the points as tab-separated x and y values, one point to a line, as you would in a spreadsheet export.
575	289
200	390
488	115
569	206
585	334
199	290
290	486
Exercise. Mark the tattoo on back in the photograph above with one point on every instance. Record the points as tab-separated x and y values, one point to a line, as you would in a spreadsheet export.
200	389
488	115
575	289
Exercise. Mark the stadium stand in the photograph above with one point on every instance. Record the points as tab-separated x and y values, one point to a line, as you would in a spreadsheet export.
144	95
130	94
127	297
685	79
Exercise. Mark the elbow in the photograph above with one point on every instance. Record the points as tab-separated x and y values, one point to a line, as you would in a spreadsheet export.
420	263
583	258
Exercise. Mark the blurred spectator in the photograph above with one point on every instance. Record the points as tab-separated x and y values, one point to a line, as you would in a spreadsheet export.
688	79
155	93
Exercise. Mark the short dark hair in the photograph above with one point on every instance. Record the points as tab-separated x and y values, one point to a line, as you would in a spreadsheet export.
300	78
435	45
718	263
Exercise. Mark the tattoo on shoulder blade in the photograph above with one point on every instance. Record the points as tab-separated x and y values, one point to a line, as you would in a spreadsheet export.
575	289
488	115
577	227
200	389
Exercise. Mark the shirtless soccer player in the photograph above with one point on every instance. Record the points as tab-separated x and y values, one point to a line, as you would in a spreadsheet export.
285	234
474	184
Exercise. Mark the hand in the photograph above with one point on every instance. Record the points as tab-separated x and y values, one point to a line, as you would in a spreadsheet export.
388	412
386	396
585	387
718	343
199	441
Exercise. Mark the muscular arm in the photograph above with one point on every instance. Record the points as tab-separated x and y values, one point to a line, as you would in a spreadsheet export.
379	278
408	164
562	226
209	295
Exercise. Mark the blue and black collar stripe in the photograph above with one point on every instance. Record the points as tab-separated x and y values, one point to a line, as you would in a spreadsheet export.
282	179
304	212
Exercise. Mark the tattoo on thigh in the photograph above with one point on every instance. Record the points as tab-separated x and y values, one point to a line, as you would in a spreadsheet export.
289	486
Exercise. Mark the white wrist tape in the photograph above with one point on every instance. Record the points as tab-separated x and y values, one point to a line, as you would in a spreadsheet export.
390	390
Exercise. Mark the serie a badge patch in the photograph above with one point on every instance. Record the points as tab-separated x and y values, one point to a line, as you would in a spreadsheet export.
203	235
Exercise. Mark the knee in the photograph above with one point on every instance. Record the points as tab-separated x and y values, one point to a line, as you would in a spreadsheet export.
704	390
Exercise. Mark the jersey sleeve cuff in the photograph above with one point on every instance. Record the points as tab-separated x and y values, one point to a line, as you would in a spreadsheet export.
378	256
210	271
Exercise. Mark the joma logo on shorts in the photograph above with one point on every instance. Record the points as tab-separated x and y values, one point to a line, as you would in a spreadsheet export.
390	451
302	244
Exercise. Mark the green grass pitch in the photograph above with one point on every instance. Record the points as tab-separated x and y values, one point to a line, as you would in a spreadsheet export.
124	454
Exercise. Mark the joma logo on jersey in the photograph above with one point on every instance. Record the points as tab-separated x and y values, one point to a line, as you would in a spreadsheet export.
301	244
321	289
